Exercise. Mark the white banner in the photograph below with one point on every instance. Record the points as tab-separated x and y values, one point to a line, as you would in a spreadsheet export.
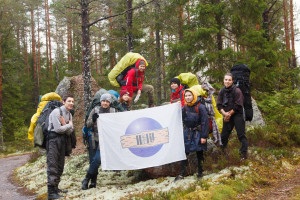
141	138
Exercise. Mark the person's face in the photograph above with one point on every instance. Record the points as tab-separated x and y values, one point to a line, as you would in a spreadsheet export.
174	86
228	81
69	103
125	97
142	67
188	97
105	104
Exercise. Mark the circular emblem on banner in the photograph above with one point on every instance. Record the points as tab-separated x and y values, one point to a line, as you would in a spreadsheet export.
138	126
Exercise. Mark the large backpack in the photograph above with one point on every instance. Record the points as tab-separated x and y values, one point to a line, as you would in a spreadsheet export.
241	78
41	129
127	62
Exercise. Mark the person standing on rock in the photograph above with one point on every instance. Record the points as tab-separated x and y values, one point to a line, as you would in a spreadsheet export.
133	82
60	125
230	105
94	151
196	129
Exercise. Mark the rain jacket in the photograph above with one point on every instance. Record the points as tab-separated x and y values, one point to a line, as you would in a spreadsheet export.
196	125
178	95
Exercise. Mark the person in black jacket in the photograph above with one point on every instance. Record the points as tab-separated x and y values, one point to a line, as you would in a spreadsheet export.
196	129
230	105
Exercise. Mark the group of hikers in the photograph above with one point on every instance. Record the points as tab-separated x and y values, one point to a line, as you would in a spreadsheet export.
196	124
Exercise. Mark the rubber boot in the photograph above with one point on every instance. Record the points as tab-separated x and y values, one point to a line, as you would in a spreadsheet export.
93	181
60	191
52	194
200	172
85	182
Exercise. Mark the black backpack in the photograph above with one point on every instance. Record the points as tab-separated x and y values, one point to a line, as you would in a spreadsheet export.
41	129
241	78
121	76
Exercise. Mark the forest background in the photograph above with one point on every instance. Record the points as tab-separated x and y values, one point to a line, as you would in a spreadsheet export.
42	41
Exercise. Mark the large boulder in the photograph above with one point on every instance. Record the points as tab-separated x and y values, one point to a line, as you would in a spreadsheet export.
74	85
257	120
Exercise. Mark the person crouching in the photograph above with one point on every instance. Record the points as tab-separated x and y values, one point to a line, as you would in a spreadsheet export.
94	151
196	129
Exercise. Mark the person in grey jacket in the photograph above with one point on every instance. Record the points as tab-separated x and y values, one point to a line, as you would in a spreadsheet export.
60	124
94	151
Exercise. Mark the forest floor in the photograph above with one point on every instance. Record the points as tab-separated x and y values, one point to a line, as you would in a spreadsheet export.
279	185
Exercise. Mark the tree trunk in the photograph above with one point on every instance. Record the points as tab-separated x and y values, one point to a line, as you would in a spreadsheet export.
111	52
86	53
100	56
35	92
292	34
1	125
46	33
39	52
163	64
265	16
26	52
69	36
157	50
286	25
49	36
129	27
96	59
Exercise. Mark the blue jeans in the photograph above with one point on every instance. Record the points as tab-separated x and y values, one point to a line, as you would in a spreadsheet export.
94	157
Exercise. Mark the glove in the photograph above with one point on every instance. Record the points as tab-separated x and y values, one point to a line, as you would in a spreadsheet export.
136	98
95	116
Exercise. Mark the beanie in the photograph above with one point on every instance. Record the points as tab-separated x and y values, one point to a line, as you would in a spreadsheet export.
106	97
140	62
122	92
175	80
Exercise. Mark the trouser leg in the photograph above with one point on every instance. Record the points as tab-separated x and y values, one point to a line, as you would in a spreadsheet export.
55	160
226	131
150	92
239	124
92	151
94	166
200	159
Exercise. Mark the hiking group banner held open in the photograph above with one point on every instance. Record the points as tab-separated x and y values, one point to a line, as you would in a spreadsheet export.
141	138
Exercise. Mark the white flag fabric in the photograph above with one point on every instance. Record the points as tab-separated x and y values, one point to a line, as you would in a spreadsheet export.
141	138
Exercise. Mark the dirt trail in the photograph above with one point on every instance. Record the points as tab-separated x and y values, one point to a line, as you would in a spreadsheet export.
9	190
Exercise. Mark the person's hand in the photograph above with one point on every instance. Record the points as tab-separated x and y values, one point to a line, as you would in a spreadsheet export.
138	93
70	122
203	140
95	116
226	117
62	121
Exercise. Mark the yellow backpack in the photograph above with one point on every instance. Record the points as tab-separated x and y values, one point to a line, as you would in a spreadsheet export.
121	67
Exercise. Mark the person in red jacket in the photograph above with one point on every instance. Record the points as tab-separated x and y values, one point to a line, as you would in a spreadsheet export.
134	82
177	91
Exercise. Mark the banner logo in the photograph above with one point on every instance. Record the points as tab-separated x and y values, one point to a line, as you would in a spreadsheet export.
144	137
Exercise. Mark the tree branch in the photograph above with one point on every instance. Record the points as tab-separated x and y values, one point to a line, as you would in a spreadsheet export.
111	16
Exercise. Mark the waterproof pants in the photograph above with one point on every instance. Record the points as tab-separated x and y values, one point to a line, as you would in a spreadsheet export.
149	90
55	159
94	157
237	121
184	163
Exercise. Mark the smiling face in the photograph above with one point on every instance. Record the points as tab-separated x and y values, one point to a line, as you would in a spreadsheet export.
142	67
188	96
228	81
174	86
125	97
105	104
69	103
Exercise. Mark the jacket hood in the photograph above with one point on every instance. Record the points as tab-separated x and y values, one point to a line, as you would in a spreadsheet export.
137	64
194	95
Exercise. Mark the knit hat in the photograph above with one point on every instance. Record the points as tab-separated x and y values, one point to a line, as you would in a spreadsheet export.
122	92
175	80
106	97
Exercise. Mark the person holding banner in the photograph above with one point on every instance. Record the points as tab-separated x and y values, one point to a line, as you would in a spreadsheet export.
94	151
196	129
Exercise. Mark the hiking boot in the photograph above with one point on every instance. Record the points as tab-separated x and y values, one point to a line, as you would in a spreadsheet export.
52	193
93	181
85	182
151	106
179	177
61	191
